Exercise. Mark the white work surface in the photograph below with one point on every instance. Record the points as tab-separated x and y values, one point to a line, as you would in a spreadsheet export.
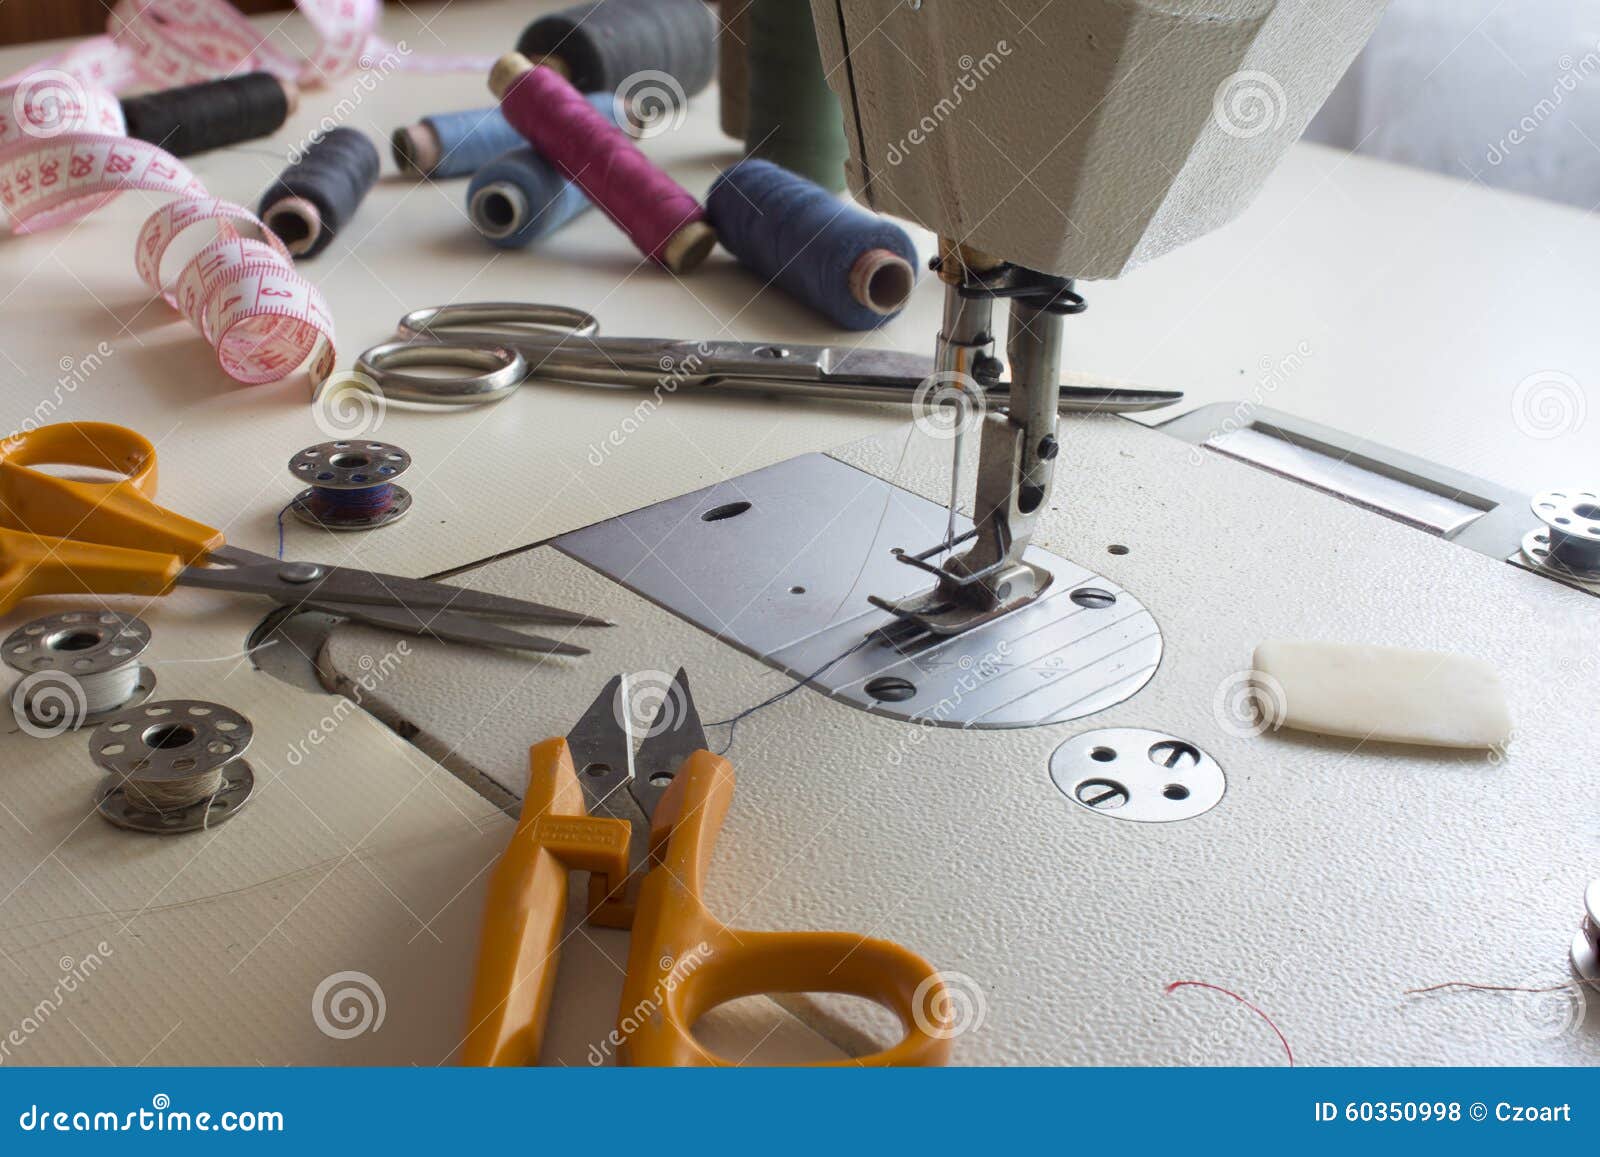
1412	307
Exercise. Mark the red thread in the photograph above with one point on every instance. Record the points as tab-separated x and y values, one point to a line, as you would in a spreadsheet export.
1176	984
559	122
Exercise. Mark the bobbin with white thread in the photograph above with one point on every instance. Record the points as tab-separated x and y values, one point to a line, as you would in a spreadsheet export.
352	485
176	765
86	663
1586	944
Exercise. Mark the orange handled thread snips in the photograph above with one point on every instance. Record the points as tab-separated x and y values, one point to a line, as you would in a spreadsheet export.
682	960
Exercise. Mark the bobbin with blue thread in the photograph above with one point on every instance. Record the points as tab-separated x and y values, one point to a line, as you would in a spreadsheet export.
352	485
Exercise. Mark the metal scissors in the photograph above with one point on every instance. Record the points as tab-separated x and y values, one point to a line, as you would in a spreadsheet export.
63	536
682	960
508	343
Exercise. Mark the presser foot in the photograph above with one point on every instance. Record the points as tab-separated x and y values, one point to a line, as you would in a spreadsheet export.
956	604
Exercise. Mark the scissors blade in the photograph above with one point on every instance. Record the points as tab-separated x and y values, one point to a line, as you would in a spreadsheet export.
674	734
447	627
294	583
865	374
601	742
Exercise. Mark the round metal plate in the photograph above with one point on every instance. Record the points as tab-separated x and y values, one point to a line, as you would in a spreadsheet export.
174	739
77	643
349	464
1128	773
308	507
238	781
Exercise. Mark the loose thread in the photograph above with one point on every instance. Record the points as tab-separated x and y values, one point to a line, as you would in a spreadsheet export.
732	722
1177	984
1476	987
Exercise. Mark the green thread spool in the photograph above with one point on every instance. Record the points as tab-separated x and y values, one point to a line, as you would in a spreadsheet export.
733	67
794	118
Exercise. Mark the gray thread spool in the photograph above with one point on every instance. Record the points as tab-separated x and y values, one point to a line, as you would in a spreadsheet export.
352	485
77	668
176	766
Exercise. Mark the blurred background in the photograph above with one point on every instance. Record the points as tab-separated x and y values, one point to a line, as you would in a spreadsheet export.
1504	92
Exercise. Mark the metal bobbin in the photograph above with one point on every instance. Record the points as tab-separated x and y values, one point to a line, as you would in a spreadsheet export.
1569	544
76	668
1586	944
173	745
352	485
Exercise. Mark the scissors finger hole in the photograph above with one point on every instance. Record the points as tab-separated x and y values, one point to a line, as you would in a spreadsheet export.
748	1029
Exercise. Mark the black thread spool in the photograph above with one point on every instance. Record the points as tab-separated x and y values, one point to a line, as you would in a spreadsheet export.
211	114
314	198
352	485
601	44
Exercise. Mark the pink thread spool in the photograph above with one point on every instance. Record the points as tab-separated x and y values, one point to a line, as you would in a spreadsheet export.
661	217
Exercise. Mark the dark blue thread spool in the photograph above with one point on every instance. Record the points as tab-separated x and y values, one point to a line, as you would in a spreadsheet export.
315	197
855	268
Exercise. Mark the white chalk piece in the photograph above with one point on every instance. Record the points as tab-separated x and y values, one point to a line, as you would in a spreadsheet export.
1388	694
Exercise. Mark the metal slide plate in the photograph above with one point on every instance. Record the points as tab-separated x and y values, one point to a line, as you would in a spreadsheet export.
779	563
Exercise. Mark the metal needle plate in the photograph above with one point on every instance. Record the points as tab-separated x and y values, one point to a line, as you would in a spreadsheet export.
779	563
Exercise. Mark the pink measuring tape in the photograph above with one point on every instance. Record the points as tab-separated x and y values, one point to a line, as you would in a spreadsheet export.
64	153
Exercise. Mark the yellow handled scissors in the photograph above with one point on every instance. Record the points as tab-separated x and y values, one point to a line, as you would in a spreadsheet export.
65	536
682	960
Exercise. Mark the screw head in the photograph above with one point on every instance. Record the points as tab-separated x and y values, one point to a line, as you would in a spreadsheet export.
1175	754
1102	794
299	572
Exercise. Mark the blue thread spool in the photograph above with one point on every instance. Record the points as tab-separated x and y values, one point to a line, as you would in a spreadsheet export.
352	485
855	268
453	144
519	196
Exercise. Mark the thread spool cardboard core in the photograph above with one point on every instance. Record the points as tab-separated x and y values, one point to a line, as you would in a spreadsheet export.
499	209
506	72
297	223
881	280
688	247
416	148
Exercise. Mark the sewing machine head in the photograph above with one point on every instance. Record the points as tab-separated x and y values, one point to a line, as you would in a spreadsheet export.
1077	139
1045	142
